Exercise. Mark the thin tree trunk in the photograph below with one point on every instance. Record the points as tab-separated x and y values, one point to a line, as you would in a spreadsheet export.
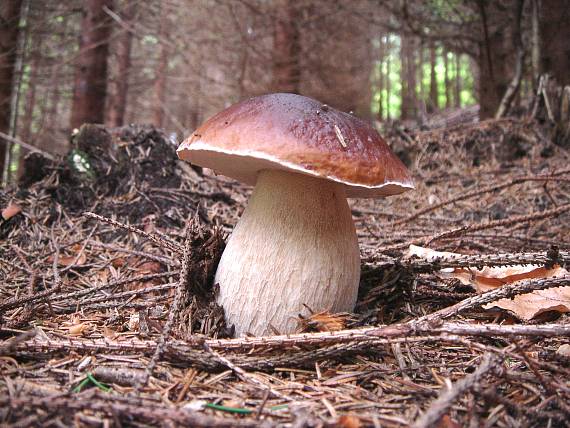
90	89
535	43
457	86
381	56
411	79
27	118
9	29
48	134
554	39
408	77
448	100
515	82
161	71
404	109
495	57
388	80
286	48
55	94
118	96
244	59
421	62
433	95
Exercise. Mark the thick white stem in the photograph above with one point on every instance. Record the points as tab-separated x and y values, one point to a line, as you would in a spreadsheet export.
295	244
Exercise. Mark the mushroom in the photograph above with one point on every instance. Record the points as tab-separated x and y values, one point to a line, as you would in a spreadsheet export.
295	246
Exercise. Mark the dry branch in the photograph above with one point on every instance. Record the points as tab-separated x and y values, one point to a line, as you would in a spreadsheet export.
448	396
158	240
494	188
453	233
116	406
14	303
554	212
546	258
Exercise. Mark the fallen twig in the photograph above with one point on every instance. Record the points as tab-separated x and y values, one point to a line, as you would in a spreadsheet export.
160	241
14	303
445	400
243	375
114	405
463	196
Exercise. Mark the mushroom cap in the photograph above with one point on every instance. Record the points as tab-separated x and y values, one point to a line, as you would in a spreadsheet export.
294	133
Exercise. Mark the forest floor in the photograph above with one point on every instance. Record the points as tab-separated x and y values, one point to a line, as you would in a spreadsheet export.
104	324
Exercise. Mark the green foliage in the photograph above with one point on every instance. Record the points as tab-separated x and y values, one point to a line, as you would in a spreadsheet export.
388	70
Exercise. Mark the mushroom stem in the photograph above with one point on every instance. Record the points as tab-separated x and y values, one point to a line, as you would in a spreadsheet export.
295	244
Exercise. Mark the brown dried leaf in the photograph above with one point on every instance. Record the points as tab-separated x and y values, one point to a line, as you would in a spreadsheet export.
100	277
68	260
447	422
78	329
528	306
10	211
349	421
324	321
525	306
119	262
149	267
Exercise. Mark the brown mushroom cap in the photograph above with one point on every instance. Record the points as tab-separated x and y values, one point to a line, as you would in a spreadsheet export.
298	134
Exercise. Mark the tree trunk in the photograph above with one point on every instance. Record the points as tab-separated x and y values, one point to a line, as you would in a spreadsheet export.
433	93
286	48
408	75
448	101
53	113
495	57
161	71
9	29
514	84
421	62
555	39
90	89
388	80
35	54
381	56
120	83
457	86
27	119
535	42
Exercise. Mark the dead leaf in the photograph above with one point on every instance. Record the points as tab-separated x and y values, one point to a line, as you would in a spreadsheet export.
324	321
349	421
528	306
10	211
524	306
447	422
78	329
119	262
149	267
69	260
99	277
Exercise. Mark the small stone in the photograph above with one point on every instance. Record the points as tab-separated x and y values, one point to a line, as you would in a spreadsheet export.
564	350
195	405
134	322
